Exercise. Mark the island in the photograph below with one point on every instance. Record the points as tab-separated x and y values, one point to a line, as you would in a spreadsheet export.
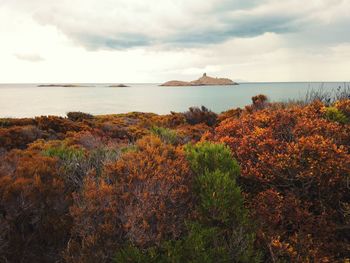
118	86
63	85
203	81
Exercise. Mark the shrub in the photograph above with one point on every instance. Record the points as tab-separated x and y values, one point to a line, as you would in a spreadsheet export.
192	133
293	159
19	136
8	122
154	183
79	116
72	163
333	114
197	115
64	152
259	102
220	197
196	247
58	125
343	106
75	163
97	231
209	157
220	203
232	113
171	120
132	254
165	134
326	96
34	218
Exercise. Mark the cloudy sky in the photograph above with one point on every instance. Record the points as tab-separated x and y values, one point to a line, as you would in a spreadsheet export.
158	40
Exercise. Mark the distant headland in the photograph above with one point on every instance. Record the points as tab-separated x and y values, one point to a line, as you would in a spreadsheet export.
203	81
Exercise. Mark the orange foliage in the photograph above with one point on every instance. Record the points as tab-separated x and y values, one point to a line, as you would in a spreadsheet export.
192	133
97	231
18	136
232	113
58	125
295	168
34	220
154	185
294	164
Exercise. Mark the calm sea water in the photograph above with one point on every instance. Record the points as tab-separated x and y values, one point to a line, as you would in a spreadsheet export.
28	100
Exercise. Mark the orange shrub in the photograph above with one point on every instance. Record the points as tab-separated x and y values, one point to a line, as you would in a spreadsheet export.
58	125
18	136
34	219
294	163
192	133
154	187
232	113
170	120
97	230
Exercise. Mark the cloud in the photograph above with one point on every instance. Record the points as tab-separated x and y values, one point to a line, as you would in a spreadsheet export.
119	24
154	41
29	57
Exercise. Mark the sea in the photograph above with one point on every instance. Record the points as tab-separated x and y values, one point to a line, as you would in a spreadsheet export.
30	100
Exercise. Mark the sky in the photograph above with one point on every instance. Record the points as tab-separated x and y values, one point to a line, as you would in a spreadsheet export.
126	41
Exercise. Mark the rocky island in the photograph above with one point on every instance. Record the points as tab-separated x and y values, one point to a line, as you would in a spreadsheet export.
118	86
203	81
63	85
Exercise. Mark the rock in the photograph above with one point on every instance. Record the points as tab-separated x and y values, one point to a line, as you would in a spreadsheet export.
203	81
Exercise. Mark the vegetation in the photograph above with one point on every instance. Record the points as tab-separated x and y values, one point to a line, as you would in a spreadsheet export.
165	134
197	115
266	183
79	116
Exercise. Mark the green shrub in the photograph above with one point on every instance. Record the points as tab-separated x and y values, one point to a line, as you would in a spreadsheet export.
98	157
129	148
197	247
75	163
333	114
220	202
72	163
132	254
165	134
64	152
209	157
203	244
220	197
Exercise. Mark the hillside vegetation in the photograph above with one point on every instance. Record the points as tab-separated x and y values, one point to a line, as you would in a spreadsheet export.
266	183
